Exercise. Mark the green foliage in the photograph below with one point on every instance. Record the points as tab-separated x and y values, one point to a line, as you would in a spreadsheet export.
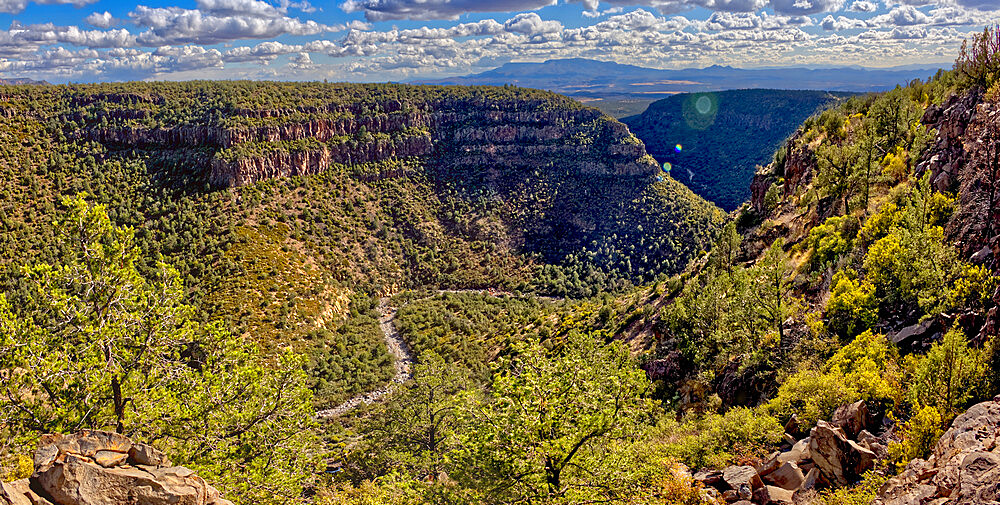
948	376
831	239
110	348
540	430
728	312
912	262
917	438
416	431
866	369
852	307
862	493
979	62
351	360
16	467
974	287
810	395
719	440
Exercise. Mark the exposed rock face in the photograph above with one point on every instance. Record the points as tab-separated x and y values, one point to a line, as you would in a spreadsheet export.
103	468
464	133
964	467
839	459
852	418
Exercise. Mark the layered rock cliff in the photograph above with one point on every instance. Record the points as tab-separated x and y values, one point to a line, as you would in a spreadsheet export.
464	134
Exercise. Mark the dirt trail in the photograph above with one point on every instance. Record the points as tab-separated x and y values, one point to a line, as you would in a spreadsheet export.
400	352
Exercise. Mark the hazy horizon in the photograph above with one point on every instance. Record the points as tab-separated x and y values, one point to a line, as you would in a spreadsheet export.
399	40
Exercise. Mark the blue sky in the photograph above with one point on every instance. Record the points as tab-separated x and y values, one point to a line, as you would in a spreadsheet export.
379	40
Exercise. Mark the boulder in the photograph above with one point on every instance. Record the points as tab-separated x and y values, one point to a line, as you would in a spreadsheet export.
770	464
810	480
20	493
142	454
779	496
840	460
793	427
786	476
919	336
963	468
806	497
708	477
852	418
736	476
798	453
102	468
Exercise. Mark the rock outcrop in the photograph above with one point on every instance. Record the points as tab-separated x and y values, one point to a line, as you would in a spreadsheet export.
102	468
963	468
835	453
461	133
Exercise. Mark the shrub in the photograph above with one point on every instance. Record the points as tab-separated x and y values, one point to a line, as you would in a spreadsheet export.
974	286
869	366
865	369
879	224
979	63
717	440
16	467
917	438
862	494
810	395
852	306
894	165
831	239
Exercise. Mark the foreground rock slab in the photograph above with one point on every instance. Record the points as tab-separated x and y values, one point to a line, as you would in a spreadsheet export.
101	468
964	467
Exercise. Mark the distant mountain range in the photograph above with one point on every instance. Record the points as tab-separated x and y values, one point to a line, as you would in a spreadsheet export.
581	77
20	80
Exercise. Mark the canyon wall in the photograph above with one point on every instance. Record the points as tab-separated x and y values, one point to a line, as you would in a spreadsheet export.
462	134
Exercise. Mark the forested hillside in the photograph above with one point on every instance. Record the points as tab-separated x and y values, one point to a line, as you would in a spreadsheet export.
715	141
261	222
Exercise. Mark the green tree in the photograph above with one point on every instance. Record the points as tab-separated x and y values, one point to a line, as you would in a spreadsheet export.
772	289
948	376
110	348
541	430
837	177
415	430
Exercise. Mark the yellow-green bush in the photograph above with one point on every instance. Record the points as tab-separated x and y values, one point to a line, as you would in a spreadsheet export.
948	376
831	239
862	494
15	467
894	164
868	365
917	438
852	306
974	286
715	440
879	224
865	369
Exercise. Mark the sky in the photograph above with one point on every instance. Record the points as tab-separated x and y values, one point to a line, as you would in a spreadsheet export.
398	40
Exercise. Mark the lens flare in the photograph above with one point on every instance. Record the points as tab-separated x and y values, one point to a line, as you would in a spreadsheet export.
667	167
703	105
678	148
